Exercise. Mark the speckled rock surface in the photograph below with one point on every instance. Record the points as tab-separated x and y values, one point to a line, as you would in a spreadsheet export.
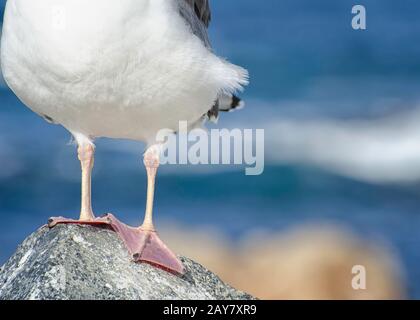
75	262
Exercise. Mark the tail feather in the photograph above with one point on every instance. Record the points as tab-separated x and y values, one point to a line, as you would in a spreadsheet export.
229	103
226	103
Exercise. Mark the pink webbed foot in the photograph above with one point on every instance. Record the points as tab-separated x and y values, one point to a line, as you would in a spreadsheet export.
146	246
102	221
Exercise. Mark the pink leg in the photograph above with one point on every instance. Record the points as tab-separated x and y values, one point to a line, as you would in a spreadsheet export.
144	242
86	156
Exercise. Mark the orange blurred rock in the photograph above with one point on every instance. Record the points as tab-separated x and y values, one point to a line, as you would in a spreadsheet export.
312	262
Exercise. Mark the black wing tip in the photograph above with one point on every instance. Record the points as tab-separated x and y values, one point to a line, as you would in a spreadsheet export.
236	102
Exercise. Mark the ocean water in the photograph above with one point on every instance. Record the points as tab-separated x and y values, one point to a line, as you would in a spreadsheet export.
306	64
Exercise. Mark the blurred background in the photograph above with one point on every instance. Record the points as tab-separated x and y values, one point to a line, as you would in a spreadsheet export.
341	186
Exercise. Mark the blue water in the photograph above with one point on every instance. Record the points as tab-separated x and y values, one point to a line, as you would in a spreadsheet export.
297	51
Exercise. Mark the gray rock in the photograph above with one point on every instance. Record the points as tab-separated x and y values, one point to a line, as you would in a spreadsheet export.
83	262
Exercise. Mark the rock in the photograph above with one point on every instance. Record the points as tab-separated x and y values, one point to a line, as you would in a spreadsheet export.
82	262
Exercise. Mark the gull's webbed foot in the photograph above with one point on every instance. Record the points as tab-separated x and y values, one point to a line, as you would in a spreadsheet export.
53	221
145	246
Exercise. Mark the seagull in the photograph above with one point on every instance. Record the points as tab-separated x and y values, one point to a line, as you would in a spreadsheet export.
122	69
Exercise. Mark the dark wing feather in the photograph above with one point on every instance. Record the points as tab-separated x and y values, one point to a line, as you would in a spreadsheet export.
201	9
197	14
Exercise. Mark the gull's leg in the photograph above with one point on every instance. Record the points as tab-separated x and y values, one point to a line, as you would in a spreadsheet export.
85	154
143	242
151	163
150	248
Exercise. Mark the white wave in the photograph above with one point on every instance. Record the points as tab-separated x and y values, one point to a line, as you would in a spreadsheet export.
385	150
